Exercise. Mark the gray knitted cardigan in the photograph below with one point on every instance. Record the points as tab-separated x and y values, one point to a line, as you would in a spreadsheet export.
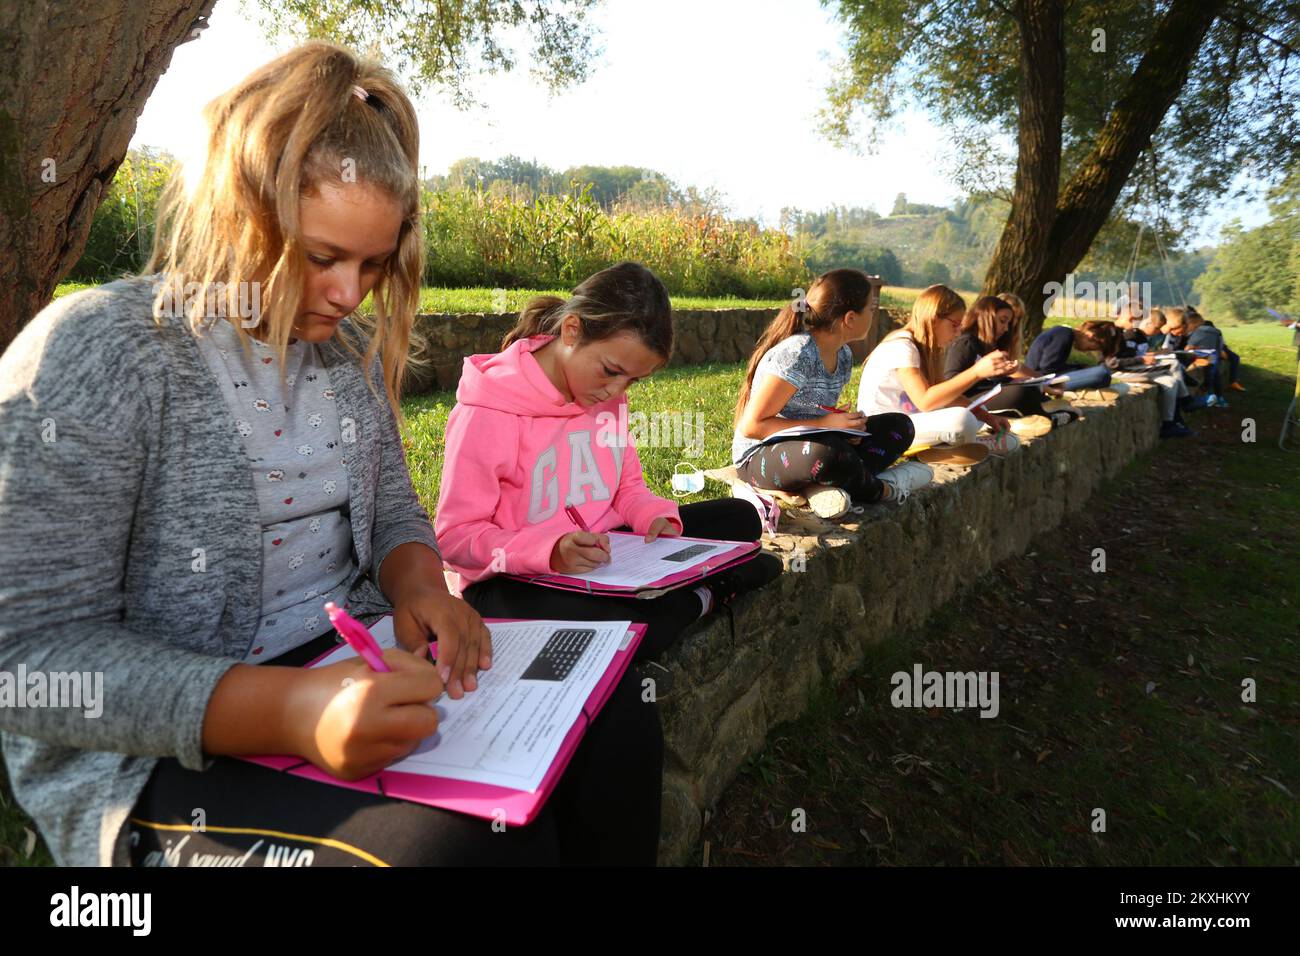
130	545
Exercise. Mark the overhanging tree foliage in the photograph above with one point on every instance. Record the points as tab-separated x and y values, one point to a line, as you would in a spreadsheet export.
77	76
1204	89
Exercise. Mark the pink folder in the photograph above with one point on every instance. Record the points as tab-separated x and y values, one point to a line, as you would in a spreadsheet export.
741	552
463	796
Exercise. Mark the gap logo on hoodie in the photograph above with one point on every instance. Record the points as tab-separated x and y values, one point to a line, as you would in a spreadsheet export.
585	483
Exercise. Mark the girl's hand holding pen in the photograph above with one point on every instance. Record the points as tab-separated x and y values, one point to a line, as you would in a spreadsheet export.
579	552
351	721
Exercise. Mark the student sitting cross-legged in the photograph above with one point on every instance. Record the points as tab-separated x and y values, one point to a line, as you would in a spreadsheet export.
541	428
990	325
904	373
1049	354
798	370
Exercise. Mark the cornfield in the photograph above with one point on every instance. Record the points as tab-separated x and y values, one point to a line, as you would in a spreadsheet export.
475	238
481	239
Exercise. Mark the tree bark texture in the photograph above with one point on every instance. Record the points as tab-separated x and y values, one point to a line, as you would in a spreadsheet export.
76	78
1066	231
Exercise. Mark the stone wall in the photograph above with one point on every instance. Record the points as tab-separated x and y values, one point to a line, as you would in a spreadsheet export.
701	336
864	581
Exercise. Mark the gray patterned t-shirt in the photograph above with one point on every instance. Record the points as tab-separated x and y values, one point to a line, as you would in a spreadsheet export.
797	360
294	442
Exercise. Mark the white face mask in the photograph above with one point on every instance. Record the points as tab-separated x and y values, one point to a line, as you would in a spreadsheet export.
687	483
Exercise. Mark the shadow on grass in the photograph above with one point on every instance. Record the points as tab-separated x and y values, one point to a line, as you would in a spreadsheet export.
1157	699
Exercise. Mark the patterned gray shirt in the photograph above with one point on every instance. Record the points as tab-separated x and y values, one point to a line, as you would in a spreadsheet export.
798	361
291	431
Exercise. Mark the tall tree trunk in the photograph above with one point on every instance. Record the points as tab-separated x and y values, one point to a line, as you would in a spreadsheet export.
76	78
1022	250
1085	202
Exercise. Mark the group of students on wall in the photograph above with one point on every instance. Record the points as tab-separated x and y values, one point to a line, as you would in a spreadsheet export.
237	475
919	383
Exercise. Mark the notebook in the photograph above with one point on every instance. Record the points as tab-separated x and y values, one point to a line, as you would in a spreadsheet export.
500	750
1042	379
646	570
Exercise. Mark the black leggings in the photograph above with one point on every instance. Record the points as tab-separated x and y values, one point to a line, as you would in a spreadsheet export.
722	519
1025	399
604	810
831	459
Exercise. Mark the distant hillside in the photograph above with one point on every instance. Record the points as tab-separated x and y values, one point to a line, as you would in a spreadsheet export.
927	243
918	245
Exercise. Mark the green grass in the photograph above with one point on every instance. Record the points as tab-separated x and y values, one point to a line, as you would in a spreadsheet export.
490	300
67	288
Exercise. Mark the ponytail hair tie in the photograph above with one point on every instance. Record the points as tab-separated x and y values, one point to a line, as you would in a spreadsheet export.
360	94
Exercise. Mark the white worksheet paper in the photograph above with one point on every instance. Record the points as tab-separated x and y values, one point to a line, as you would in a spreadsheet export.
634	564
509	730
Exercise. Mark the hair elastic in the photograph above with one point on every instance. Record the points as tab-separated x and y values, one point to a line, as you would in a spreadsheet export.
360	93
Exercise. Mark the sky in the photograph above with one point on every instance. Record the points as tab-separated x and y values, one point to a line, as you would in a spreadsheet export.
712	93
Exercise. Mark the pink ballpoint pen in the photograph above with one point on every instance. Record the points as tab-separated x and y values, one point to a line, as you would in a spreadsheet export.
358	637
361	640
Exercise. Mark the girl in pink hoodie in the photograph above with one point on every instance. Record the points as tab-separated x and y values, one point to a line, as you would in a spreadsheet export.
542	425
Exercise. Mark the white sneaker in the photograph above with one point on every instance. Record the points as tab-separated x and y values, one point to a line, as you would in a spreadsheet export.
1001	443
828	502
906	477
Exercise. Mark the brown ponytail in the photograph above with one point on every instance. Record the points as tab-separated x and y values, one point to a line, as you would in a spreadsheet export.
535	319
626	297
831	295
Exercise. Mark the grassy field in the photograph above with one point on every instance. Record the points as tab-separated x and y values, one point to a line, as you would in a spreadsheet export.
433	300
